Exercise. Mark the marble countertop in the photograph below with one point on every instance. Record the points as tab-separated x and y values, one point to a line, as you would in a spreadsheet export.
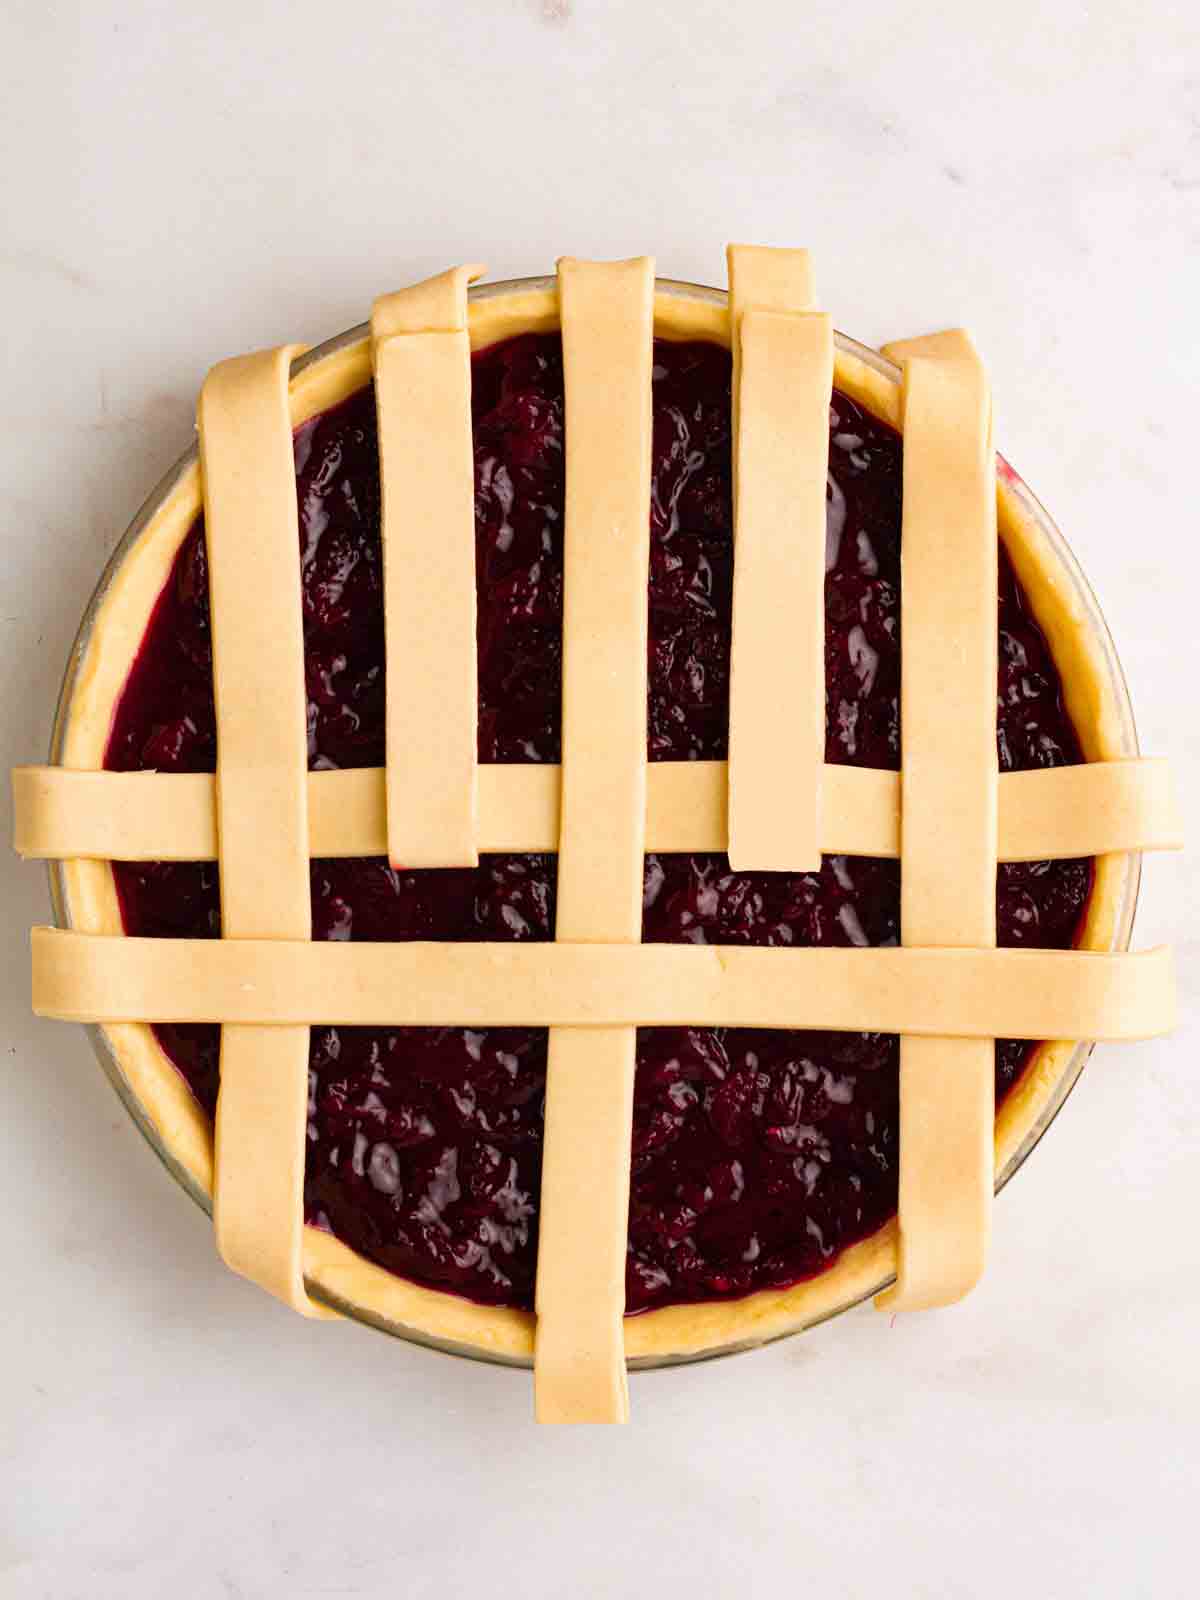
183	183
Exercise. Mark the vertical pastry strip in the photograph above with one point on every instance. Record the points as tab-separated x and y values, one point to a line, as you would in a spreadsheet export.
607	328
782	381
949	782
422	362
253	538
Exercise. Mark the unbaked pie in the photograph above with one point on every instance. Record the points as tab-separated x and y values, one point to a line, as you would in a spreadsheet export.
588	961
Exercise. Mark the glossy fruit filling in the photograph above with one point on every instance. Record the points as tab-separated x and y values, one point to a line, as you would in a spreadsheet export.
757	1156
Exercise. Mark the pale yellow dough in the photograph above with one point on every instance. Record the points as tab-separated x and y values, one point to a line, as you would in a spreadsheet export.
948	811
782	380
252	534
522	808
607	334
422	362
765	277
967	993
1047	814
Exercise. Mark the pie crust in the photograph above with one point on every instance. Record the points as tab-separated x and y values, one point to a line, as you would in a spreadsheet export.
337	1275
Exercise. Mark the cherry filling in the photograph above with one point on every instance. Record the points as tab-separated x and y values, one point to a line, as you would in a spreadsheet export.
757	1156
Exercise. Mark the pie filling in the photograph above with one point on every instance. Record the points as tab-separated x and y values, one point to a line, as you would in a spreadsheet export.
758	1156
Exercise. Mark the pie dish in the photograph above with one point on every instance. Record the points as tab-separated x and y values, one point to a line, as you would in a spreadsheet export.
765	1166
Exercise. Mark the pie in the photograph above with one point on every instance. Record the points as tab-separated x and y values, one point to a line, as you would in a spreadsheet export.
478	776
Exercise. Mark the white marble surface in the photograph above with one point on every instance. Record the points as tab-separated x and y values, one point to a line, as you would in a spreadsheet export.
186	181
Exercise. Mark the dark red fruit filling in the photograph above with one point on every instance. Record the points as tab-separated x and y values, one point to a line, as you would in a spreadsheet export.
758	1156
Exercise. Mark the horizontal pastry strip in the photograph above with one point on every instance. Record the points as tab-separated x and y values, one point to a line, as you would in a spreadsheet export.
1022	994
1049	814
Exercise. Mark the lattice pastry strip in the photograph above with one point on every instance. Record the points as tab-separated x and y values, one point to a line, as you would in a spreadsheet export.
421	358
253	537
1050	813
782	381
1017	993
949	769
607	312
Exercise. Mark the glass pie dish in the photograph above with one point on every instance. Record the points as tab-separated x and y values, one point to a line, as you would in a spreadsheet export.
84	896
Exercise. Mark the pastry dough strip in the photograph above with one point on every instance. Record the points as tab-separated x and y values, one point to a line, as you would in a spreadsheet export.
421	358
1048	814
782	378
949	554
253	541
968	994
607	311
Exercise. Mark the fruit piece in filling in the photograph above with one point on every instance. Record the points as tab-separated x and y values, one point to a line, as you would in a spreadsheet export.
758	1156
